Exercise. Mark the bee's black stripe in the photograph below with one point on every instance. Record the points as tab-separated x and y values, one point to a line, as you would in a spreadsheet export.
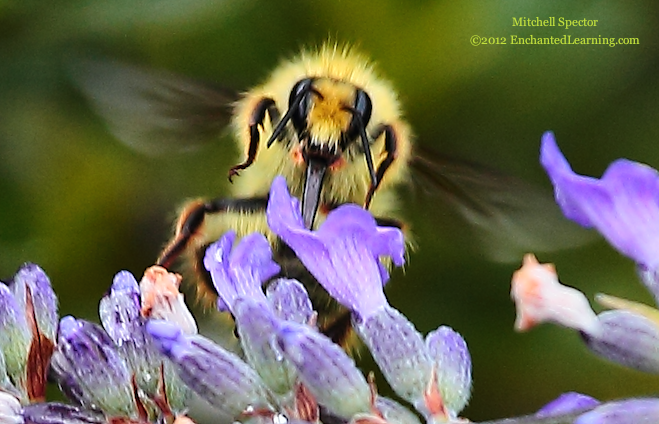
193	217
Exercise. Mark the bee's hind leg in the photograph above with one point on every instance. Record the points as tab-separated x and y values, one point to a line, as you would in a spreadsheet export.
192	219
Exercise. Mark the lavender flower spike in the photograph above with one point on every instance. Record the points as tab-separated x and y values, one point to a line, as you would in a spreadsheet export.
623	205
344	254
240	271
121	315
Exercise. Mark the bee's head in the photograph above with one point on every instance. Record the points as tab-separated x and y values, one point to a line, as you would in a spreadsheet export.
328	116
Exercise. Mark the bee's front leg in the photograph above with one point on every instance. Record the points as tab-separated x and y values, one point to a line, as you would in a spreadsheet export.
256	118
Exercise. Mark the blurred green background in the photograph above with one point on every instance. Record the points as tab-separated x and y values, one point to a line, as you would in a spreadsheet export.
83	206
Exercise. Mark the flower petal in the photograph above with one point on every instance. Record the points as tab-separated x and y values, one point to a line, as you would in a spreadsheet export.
344	254
623	205
240	271
161	298
539	297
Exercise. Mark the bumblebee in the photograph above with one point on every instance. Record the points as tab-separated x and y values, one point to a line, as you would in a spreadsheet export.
334	129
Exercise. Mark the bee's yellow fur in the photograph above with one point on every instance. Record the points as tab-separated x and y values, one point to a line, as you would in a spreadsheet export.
346	183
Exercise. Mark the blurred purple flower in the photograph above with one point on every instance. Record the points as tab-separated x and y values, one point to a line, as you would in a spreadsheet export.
567	403
630	411
623	205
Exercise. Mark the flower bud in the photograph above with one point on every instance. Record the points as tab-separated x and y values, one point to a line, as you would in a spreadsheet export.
327	371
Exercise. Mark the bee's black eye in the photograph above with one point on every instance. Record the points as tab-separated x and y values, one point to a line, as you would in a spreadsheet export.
298	104
361	114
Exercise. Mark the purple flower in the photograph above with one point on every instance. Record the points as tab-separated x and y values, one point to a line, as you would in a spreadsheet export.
329	373
257	326
567	403
631	411
90	370
240	271
216	375
433	374
400	352
452	366
290	301
623	205
120	313
344	254
15	338
28	322
116	368
627	338
54	413
41	299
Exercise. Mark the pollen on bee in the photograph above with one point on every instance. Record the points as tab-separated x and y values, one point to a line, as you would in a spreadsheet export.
338	164
296	153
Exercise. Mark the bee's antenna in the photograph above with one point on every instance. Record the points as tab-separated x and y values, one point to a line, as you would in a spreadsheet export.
365	145
367	152
289	113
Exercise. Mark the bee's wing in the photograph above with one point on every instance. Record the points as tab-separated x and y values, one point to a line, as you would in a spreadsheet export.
154	112
512	217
